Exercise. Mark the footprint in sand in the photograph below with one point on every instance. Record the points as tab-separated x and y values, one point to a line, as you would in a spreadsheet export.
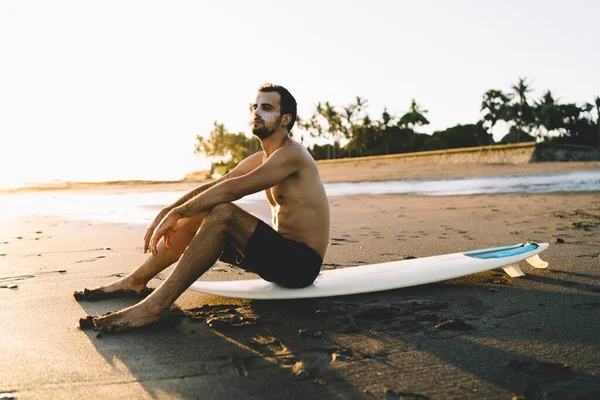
90	259
17	278
343	240
588	255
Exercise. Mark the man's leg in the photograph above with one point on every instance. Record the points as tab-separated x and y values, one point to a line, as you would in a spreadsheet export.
224	222
137	280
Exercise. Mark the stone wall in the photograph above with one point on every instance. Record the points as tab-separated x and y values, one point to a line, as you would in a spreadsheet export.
521	153
565	152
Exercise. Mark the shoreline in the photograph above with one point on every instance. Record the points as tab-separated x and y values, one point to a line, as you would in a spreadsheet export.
350	171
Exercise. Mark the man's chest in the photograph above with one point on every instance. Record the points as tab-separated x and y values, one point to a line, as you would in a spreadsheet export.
282	193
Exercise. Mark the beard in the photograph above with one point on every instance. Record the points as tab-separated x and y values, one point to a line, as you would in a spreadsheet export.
264	131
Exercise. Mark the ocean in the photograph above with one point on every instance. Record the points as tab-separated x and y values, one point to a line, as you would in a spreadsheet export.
141	207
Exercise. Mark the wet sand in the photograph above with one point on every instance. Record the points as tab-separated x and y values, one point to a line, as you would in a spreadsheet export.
481	336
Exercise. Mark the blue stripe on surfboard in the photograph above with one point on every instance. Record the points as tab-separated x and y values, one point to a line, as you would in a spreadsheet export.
500	252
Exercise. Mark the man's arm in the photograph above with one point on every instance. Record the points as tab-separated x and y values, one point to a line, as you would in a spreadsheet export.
279	166
245	166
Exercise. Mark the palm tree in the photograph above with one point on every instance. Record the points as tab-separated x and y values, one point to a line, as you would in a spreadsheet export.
325	123
362	136
547	113
350	123
383	128
413	118
495	106
334	123
521	88
216	145
522	113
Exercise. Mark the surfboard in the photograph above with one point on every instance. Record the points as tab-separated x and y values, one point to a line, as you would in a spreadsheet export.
388	275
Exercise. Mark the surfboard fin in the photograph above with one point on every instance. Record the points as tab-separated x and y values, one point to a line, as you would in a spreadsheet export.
536	262
513	270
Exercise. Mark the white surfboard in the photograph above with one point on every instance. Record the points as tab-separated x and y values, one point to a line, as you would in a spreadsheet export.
386	276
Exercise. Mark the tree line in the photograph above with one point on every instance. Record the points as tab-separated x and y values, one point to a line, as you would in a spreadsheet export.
349	131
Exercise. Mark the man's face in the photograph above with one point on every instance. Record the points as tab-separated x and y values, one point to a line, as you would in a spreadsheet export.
266	114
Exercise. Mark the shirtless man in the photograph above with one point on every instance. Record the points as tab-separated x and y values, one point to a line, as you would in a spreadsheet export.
205	226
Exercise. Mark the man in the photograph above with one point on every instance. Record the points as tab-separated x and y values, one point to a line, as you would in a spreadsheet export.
204	225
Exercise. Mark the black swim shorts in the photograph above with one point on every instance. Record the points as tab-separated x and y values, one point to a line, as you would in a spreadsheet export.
276	259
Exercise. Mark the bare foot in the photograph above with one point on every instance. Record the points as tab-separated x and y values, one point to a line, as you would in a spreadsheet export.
128	318
121	288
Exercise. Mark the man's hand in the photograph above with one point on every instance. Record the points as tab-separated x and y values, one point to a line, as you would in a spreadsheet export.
165	230
152	227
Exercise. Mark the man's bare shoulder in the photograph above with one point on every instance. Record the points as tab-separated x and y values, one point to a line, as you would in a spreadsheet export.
247	165
298	151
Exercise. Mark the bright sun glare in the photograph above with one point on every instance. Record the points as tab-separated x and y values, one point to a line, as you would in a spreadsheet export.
83	102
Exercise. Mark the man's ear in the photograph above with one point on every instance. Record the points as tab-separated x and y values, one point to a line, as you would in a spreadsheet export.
286	119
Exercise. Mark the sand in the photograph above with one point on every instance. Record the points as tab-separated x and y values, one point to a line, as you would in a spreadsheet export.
481	336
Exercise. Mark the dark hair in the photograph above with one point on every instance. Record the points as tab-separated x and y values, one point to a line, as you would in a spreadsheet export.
288	103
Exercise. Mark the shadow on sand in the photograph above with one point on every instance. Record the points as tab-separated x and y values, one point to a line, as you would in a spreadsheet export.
480	334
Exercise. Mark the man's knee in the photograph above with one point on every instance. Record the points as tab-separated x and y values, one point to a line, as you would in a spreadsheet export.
223	213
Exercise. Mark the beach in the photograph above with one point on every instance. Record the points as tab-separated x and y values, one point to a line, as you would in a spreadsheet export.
482	336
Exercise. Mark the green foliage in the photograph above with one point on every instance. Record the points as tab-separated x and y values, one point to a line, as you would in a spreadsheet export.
470	135
544	119
225	150
548	114
495	107
515	135
325	123
413	118
349	131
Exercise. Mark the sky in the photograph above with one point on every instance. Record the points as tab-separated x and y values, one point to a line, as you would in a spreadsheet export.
119	89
